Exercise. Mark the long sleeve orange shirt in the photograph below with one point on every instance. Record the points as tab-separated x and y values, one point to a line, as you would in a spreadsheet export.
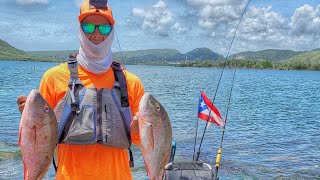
90	162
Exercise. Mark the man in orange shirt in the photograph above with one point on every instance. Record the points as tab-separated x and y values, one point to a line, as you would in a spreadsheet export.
94	99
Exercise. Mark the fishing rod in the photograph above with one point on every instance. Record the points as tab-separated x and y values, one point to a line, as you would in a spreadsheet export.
223	130
121	52
224	65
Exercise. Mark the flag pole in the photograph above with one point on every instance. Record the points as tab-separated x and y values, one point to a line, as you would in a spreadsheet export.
204	131
195	141
224	66
209	107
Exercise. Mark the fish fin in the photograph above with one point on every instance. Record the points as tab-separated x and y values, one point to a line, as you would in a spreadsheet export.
161	174
42	175
19	140
150	138
25	171
147	168
32	136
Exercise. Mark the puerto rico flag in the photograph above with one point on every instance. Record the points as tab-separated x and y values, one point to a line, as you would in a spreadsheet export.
206	109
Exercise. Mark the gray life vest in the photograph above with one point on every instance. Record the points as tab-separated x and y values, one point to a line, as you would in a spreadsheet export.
90	116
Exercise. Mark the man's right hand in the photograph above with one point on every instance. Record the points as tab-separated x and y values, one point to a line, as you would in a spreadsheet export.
21	102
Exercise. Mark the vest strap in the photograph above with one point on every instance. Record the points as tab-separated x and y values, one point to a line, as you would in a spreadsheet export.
119	76
122	115
73	68
74	83
131	162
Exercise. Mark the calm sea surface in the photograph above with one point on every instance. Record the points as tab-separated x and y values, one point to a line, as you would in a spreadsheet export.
272	132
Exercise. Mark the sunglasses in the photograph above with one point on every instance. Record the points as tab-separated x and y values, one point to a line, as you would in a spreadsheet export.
104	29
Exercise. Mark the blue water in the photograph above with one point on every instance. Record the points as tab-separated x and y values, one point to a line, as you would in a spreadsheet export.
272	132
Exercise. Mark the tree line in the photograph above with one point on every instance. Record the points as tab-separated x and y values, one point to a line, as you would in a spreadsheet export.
254	64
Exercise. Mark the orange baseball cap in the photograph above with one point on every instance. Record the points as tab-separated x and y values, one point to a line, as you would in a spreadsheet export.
86	9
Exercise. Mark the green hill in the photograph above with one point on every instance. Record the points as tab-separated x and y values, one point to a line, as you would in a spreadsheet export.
7	52
117	55
200	57
156	52
203	54
273	55
149	56
167	56
172	55
308	60
61	55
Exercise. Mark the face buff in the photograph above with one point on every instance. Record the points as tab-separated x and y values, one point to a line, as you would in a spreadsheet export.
95	58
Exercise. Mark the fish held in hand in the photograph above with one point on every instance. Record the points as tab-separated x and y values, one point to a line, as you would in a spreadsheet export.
37	136
155	136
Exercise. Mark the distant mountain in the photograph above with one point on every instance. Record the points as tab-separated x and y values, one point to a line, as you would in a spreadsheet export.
202	57
203	54
145	56
269	54
166	55
8	52
308	60
174	56
61	55
156	52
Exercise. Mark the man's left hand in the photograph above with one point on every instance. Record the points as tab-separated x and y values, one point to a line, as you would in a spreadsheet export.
134	126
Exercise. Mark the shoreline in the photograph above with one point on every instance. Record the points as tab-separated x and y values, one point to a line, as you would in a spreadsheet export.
201	64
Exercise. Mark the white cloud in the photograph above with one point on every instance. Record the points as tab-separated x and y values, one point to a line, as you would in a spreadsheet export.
139	12
28	2
211	2
212	23
306	21
158	19
188	23
178	28
261	27
212	14
206	23
262	24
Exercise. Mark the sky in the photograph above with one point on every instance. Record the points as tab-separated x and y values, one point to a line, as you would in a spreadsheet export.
42	25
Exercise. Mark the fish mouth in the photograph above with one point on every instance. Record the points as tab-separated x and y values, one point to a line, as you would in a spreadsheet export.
144	100
142	106
33	95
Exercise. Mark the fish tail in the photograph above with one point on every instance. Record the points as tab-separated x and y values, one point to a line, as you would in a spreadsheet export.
147	168
161	175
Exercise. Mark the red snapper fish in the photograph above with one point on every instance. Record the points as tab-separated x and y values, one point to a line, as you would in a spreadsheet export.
155	136
37	136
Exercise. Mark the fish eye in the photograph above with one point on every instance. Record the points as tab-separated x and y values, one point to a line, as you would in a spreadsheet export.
158	107
46	108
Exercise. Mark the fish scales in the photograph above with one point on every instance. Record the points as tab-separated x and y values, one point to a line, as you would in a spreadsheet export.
155	136
37	136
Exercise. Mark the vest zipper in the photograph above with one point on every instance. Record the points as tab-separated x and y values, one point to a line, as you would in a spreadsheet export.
99	116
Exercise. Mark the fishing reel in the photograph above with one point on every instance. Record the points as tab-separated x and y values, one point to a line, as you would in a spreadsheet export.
99	4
